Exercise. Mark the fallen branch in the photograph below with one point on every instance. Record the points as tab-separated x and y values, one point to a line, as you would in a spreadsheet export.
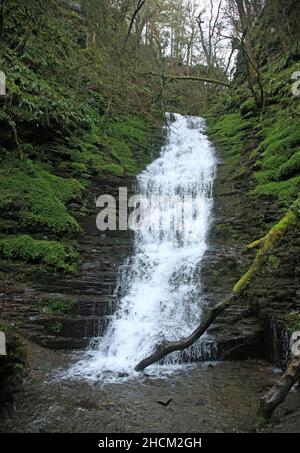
266	244
167	347
278	393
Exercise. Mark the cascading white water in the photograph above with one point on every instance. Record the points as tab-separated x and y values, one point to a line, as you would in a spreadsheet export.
162	290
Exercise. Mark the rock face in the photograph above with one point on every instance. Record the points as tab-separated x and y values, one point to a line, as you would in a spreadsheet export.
92	293
258	326
65	312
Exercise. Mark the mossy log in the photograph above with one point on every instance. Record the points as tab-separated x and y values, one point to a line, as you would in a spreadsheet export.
279	391
265	244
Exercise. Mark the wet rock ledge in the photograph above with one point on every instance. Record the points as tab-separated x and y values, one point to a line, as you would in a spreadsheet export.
66	312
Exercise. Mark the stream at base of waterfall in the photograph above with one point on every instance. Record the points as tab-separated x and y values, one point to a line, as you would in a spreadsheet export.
206	398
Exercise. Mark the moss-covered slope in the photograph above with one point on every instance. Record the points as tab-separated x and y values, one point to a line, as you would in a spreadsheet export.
61	124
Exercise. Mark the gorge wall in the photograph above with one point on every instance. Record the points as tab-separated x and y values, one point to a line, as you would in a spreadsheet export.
67	134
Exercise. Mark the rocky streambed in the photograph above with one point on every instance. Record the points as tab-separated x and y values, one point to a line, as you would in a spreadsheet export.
208	397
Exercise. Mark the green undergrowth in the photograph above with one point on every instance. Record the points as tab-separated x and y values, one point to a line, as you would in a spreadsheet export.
53	254
116	146
277	166
266	143
54	305
228	132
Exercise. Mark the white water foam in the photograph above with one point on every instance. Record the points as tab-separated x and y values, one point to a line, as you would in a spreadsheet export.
162	291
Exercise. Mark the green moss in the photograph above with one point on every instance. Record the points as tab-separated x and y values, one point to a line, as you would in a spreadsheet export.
228	132
54	327
248	107
293	321
114	146
285	191
277	168
291	167
53	306
275	162
113	168
277	158
273	262
51	253
265	245
37	197
126	141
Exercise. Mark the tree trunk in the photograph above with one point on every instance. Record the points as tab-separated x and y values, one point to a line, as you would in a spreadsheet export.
278	393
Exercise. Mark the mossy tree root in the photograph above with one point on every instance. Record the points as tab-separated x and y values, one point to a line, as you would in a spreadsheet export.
266	244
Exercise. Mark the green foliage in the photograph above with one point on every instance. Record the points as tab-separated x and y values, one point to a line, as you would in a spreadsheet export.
54	327
51	253
276	171
293	321
273	262
285	191
248	107
53	306
116	146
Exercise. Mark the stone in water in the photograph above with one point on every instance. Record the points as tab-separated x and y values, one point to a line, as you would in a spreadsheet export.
2	84
296	344
2	344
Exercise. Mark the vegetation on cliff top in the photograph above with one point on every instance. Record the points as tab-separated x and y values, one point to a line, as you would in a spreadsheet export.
70	113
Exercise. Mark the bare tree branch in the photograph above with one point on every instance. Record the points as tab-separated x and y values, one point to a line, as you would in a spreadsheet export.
170	78
139	6
167	348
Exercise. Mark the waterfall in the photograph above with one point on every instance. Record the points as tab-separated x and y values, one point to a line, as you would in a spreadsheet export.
160	283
